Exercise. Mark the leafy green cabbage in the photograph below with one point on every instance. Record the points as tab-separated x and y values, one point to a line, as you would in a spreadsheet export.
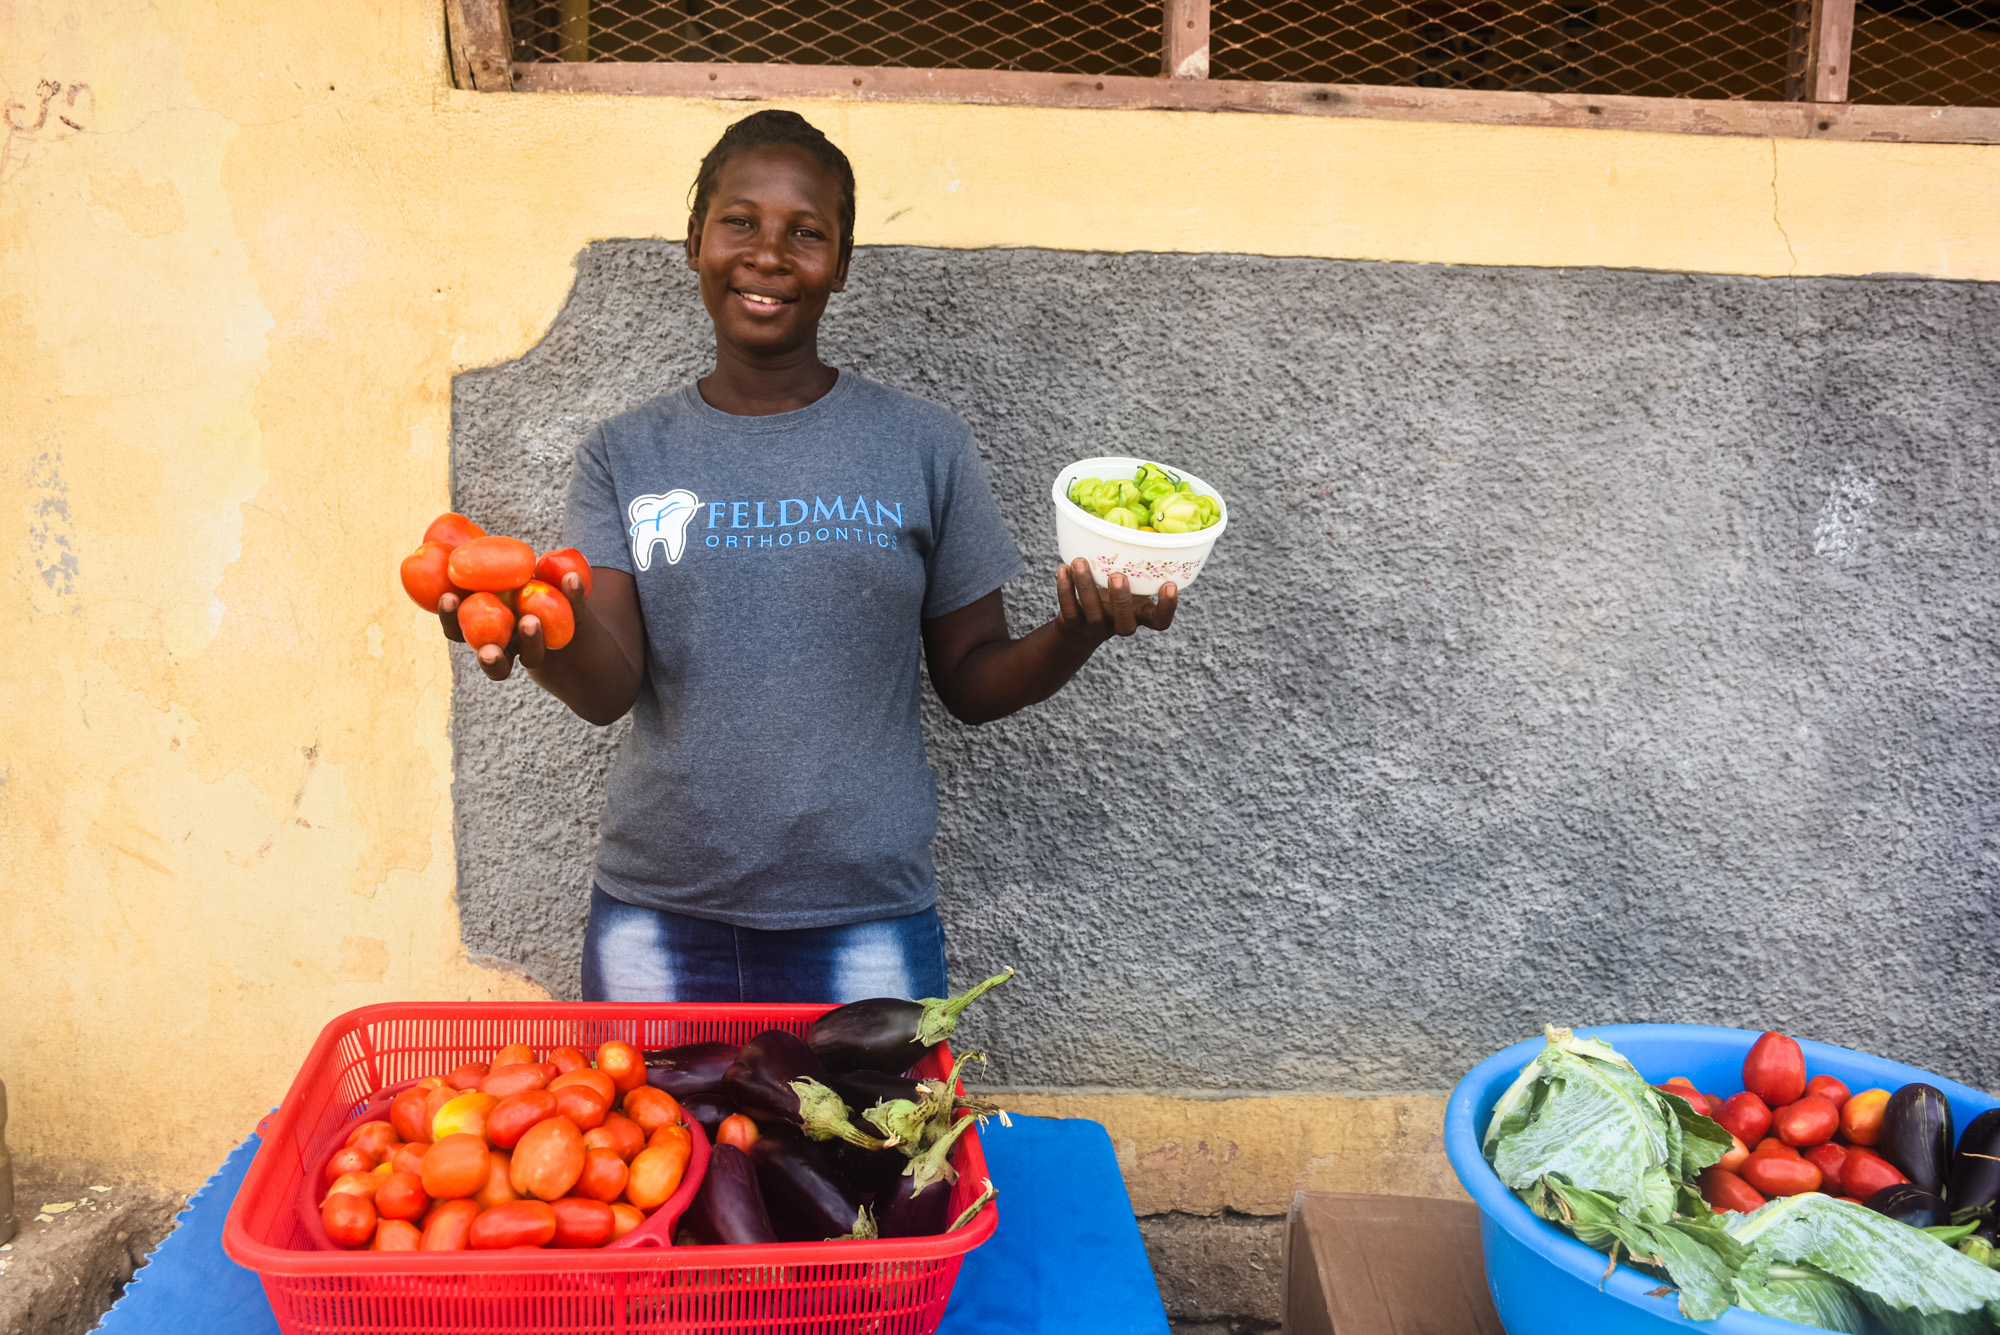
1900	1267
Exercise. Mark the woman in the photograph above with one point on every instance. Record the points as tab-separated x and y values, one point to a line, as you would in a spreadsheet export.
773	547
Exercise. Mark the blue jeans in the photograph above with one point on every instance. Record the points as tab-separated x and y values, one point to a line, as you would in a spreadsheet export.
638	954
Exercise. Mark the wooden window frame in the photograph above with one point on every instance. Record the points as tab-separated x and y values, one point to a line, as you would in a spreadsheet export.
481	49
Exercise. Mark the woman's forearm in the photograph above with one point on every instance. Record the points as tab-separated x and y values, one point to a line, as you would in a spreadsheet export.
1000	677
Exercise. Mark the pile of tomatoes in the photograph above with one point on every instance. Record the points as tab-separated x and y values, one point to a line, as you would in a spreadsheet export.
1791	1133
511	1153
496	579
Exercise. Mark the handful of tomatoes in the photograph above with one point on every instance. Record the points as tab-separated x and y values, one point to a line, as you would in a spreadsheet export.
511	1153
497	579
1791	1133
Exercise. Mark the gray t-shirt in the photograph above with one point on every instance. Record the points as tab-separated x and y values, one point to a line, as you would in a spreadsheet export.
775	776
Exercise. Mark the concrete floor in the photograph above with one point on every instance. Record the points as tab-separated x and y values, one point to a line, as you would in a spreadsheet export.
67	1265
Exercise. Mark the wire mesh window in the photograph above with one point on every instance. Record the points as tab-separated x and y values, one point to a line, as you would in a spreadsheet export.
1927	53
1905	52
1047	36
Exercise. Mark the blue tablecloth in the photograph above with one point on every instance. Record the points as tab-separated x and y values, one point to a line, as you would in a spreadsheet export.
1065	1260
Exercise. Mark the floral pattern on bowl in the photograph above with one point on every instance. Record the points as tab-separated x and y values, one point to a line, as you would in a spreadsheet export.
1177	572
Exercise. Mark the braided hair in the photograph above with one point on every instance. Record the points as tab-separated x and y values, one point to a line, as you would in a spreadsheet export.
778	127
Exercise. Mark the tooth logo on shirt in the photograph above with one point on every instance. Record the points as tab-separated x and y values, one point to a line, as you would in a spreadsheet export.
661	520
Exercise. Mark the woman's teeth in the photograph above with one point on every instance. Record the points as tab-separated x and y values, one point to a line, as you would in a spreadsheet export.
756	300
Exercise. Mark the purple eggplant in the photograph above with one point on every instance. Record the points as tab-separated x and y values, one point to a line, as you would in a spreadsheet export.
872	1173
709	1110
921	1202
1916	1136
909	1213
729	1208
889	1033
691	1069
1908	1203
1975	1170
865	1088
808	1198
760	1079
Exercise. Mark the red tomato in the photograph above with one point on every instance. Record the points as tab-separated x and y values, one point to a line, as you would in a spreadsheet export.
582	1105
1829	1159
1864	1172
349	1160
502	1081
673	1133
621	1135
401	1196
425	577
453	530
515	1224
499	1188
361	1184
377	1138
1732	1158
589	1079
349	1218
409	1113
1861	1116
563	561
513	1115
409	1157
548	1160
625	1064
1724	1190
446	1227
1827	1088
656	1175
455	1167
468	1076
514	1054
627	1217
1775	1070
483	620
651	1108
1697	1100
396	1235
1744	1116
581	1222
604	1175
1772	1145
1781	1174
537	599
1809	1121
491	565
566	1060
737	1130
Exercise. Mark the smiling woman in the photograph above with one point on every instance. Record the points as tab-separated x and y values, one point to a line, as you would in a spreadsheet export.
767	828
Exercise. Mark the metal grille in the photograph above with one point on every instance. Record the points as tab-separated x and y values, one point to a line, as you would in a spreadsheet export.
1927	53
1659	48
1907	52
1048	36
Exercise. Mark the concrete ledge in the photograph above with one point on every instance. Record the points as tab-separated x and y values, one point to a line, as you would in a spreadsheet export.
65	1267
1203	1156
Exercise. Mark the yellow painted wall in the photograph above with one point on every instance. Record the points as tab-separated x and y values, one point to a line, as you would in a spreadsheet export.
243	249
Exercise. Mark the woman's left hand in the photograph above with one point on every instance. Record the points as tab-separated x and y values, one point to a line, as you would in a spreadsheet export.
1087	616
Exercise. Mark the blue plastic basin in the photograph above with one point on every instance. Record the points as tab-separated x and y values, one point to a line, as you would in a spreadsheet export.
1544	1281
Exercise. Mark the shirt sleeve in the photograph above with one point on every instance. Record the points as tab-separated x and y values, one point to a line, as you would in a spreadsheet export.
974	553
593	517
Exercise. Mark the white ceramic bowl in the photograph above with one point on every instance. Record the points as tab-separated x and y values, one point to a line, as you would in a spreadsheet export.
1147	560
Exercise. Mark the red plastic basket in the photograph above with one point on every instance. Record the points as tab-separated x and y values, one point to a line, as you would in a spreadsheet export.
893	1286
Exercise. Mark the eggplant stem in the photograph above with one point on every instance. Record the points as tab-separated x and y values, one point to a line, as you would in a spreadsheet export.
941	1013
935	1161
971	1211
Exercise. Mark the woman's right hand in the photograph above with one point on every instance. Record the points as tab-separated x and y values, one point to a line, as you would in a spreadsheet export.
597	674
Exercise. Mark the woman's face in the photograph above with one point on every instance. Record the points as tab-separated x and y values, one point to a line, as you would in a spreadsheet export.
768	251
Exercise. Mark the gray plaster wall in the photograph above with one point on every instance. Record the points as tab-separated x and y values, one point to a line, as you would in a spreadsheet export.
1586	646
